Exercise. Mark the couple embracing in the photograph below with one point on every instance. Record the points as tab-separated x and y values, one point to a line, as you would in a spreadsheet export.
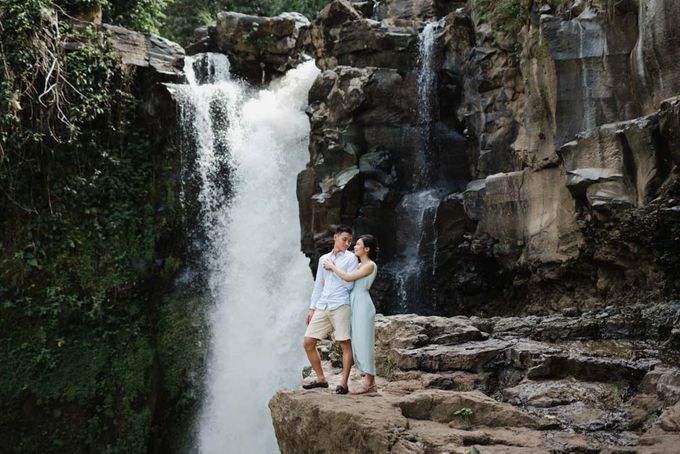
341	304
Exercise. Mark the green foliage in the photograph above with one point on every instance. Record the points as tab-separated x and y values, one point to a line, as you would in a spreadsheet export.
79	226
181	341
142	15
85	195
463	413
389	367
184	16
91	386
507	16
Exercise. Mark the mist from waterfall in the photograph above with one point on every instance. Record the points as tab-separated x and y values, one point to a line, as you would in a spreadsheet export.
258	278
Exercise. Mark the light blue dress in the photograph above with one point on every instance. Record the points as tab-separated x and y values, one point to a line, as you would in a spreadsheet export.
363	323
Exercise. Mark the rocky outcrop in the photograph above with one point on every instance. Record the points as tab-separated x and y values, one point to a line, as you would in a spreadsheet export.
531	142
342	36
655	58
591	53
536	163
161	59
145	50
589	383
259	48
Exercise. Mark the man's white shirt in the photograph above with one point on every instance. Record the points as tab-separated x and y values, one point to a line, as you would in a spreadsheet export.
330	290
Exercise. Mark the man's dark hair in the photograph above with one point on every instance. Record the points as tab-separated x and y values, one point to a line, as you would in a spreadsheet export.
342	228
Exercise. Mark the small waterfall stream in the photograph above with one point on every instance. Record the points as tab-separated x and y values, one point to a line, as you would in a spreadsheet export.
427	75
258	278
417	208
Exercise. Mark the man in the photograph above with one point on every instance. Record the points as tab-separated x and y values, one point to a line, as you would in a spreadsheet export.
329	309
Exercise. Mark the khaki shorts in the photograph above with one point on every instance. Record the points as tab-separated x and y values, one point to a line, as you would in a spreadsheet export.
324	322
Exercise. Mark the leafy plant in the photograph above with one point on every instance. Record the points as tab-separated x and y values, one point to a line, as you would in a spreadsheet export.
389	367
506	16
464	414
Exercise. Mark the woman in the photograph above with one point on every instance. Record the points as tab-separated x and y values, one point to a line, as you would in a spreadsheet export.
363	311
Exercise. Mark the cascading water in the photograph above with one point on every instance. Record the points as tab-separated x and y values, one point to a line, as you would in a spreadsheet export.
427	80
417	208
415	219
427	74
376	11
258	279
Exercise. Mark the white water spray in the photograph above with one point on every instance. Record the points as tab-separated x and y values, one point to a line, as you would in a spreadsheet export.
417	208
259	280
427	74
417	214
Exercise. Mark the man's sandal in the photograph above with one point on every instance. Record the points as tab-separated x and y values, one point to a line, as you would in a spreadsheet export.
316	384
340	390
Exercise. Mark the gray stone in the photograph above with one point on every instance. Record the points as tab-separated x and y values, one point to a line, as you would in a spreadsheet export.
656	57
261	48
533	209
591	56
146	50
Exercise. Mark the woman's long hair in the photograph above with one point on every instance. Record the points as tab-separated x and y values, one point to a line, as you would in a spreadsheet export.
372	244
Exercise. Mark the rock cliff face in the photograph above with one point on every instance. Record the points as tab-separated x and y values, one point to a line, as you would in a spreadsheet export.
521	163
506	162
259	48
599	382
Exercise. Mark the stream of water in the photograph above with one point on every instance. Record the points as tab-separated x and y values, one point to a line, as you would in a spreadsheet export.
417	208
258	278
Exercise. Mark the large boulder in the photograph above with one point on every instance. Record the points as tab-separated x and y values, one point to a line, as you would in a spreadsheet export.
161	59
340	35
259	48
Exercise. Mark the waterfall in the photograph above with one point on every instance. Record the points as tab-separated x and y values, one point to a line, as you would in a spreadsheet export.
417	209
427	84
258	279
427	74
416	216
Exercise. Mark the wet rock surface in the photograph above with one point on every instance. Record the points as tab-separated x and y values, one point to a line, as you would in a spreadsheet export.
596	382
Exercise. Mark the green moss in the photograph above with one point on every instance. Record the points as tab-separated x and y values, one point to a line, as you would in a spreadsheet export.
88	198
101	383
508	16
182	341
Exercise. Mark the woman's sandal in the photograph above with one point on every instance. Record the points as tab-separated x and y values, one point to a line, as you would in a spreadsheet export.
340	390
366	389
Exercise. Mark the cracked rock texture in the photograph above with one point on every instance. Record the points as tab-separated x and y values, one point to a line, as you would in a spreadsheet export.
534	182
598	382
546	171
